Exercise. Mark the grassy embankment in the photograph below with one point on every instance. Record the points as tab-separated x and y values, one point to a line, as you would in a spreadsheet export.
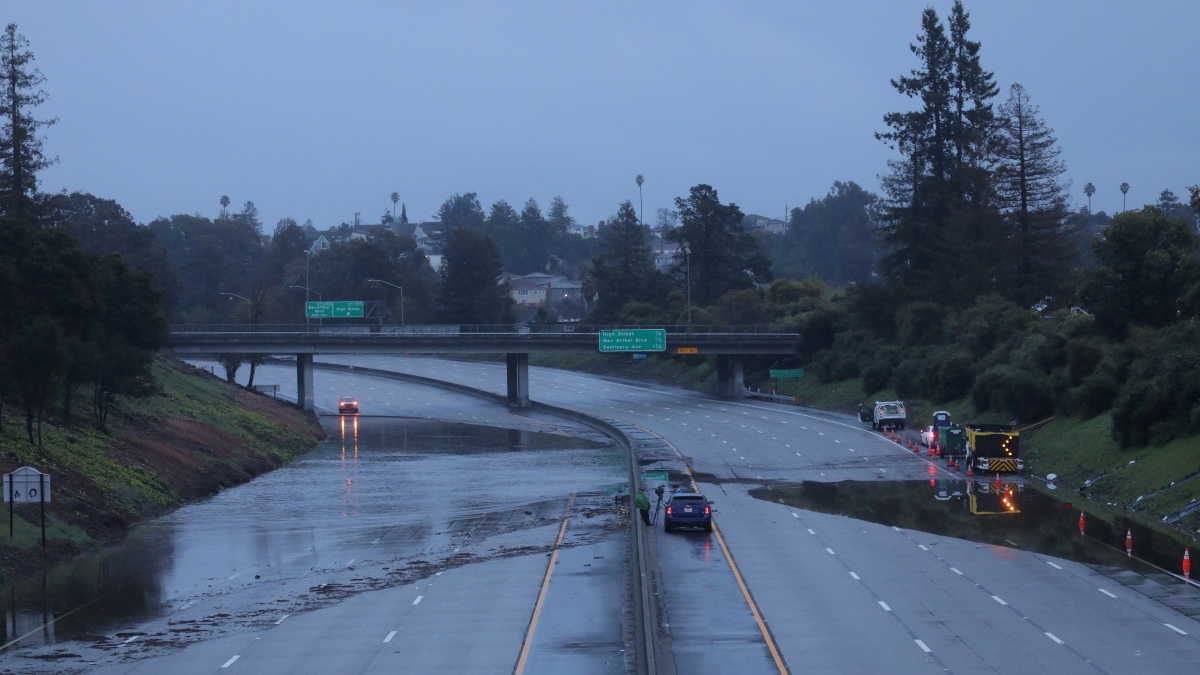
194	436
1076	450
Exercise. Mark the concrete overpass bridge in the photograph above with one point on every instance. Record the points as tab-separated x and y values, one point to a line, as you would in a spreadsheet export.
728	343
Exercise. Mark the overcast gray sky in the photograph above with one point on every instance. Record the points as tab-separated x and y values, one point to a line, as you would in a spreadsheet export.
323	109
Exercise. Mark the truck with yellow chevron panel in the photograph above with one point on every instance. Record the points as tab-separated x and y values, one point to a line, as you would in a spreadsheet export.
994	447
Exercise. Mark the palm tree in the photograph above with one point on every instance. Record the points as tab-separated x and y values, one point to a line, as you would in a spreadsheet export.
224	206
1124	191
395	198
1089	190
639	180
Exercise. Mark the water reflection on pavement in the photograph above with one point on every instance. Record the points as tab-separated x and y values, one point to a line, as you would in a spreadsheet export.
381	502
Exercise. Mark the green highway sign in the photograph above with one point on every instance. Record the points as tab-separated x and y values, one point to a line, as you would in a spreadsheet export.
340	309
633	340
796	372
655	475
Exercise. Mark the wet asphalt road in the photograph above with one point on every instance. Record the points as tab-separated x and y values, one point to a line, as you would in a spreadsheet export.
845	595
411	544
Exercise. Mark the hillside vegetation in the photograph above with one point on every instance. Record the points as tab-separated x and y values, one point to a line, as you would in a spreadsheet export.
191	437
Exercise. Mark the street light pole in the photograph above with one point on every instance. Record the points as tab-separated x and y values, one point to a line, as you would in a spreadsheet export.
688	253
253	307
306	292
381	281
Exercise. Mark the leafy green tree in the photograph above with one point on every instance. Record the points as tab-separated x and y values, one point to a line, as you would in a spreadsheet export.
210	257
102	226
470	271
832	238
133	329
37	361
21	155
720	256
623	272
1147	265
1032	196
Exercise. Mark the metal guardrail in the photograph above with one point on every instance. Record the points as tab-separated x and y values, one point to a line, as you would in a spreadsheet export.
431	330
777	398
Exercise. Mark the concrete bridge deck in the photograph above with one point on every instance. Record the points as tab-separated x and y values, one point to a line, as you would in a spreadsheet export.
728	343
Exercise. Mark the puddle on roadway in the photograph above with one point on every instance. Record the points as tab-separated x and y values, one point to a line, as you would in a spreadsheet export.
1014	515
410	483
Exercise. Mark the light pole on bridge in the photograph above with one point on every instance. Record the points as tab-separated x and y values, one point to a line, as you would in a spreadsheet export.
307	290
381	281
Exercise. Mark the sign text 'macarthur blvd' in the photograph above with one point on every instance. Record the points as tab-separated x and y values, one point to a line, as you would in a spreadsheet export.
633	340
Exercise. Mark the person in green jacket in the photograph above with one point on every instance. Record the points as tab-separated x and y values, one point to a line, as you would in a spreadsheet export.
643	504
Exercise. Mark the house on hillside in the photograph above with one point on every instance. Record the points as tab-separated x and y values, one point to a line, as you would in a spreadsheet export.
559	294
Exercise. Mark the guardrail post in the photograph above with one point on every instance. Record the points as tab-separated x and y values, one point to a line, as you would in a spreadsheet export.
304	381
518	380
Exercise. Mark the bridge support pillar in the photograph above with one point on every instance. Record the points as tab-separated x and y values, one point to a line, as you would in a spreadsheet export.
730	380
304	381
518	380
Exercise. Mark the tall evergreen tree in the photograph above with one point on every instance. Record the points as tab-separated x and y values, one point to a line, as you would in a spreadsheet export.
470	271
532	248
624	270
720	255
1032	195
21	155
937	192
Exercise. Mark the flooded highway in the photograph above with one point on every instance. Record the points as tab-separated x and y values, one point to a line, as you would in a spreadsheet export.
826	573
385	504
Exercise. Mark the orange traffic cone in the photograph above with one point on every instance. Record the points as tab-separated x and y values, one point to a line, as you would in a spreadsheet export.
1187	565
969	470
1081	524
1129	543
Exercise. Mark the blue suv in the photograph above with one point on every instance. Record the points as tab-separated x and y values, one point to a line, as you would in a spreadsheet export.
687	509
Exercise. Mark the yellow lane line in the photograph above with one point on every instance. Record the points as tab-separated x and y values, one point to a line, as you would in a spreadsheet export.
737	574
537	608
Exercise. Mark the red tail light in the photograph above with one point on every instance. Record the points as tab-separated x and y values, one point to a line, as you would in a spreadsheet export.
668	510
707	511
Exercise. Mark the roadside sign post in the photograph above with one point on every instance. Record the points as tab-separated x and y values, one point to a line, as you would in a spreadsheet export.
777	374
27	485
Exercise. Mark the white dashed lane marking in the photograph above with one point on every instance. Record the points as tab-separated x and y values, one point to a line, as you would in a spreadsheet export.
884	606
1181	632
230	661
1053	565
418	600
1053	637
390	636
925	649
1106	593
854	575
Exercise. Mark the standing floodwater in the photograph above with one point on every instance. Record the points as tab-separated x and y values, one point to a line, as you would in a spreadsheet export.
382	501
1005	513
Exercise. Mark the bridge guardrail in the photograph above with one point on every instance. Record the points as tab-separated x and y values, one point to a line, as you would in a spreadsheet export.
430	330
